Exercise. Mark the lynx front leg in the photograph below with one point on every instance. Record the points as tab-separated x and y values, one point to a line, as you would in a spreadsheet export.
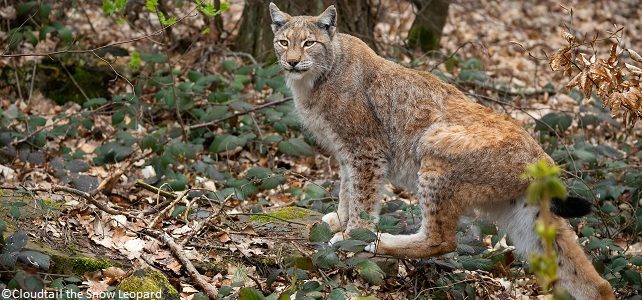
440	214
366	175
338	220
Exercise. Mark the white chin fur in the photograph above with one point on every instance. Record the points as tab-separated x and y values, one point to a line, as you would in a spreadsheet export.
295	76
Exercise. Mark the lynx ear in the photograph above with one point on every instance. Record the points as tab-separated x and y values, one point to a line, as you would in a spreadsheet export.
328	19
279	18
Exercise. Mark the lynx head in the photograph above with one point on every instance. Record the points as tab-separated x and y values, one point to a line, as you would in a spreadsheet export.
303	43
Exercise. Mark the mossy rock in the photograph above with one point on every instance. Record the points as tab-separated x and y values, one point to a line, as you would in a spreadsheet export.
289	213
148	284
81	265
69	261
72	263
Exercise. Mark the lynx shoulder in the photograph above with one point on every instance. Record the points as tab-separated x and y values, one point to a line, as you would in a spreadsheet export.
383	121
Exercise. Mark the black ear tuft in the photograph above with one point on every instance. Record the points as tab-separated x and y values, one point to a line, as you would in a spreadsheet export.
572	207
279	18
328	19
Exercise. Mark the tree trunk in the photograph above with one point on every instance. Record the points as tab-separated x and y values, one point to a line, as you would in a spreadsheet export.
428	25
356	17
255	35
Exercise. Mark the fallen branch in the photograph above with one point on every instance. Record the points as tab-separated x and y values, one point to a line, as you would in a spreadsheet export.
87	196
258	107
178	251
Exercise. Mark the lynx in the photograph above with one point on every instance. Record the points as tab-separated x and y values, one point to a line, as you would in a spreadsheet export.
384	121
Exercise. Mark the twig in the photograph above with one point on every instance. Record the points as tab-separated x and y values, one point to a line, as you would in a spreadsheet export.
156	190
247	55
15	71
200	226
179	198
146	36
33	77
258	107
269	216
114	70
54	123
178	251
86	196
73	80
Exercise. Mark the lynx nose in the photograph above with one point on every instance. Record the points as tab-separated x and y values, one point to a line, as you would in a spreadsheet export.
293	63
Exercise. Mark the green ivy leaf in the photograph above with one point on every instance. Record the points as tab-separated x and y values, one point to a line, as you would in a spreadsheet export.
272	182
350	245
363	234
326	258
337	294
296	147
15	242
476	263
320	233
9	259
300	262
226	142
158	58
178	210
65	34
94	102
556	121
636	260
36	259
370	271
148	142
632	277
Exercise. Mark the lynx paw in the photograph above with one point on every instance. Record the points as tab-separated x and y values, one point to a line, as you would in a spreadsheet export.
333	220
336	238
372	247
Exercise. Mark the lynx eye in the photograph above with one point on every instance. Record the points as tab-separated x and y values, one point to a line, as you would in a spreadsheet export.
309	43
283	43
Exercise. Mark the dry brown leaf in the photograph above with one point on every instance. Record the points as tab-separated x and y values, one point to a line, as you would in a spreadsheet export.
574	82
568	36
614	102
558	59
633	69
223	237
112	275
586	85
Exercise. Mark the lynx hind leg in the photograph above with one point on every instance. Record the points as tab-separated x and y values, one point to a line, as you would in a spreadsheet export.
575	271
440	215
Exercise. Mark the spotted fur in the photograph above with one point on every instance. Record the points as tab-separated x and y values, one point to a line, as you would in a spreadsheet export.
386	122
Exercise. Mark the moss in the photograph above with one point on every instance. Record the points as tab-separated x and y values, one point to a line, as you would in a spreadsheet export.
51	204
84	264
286	213
148	280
